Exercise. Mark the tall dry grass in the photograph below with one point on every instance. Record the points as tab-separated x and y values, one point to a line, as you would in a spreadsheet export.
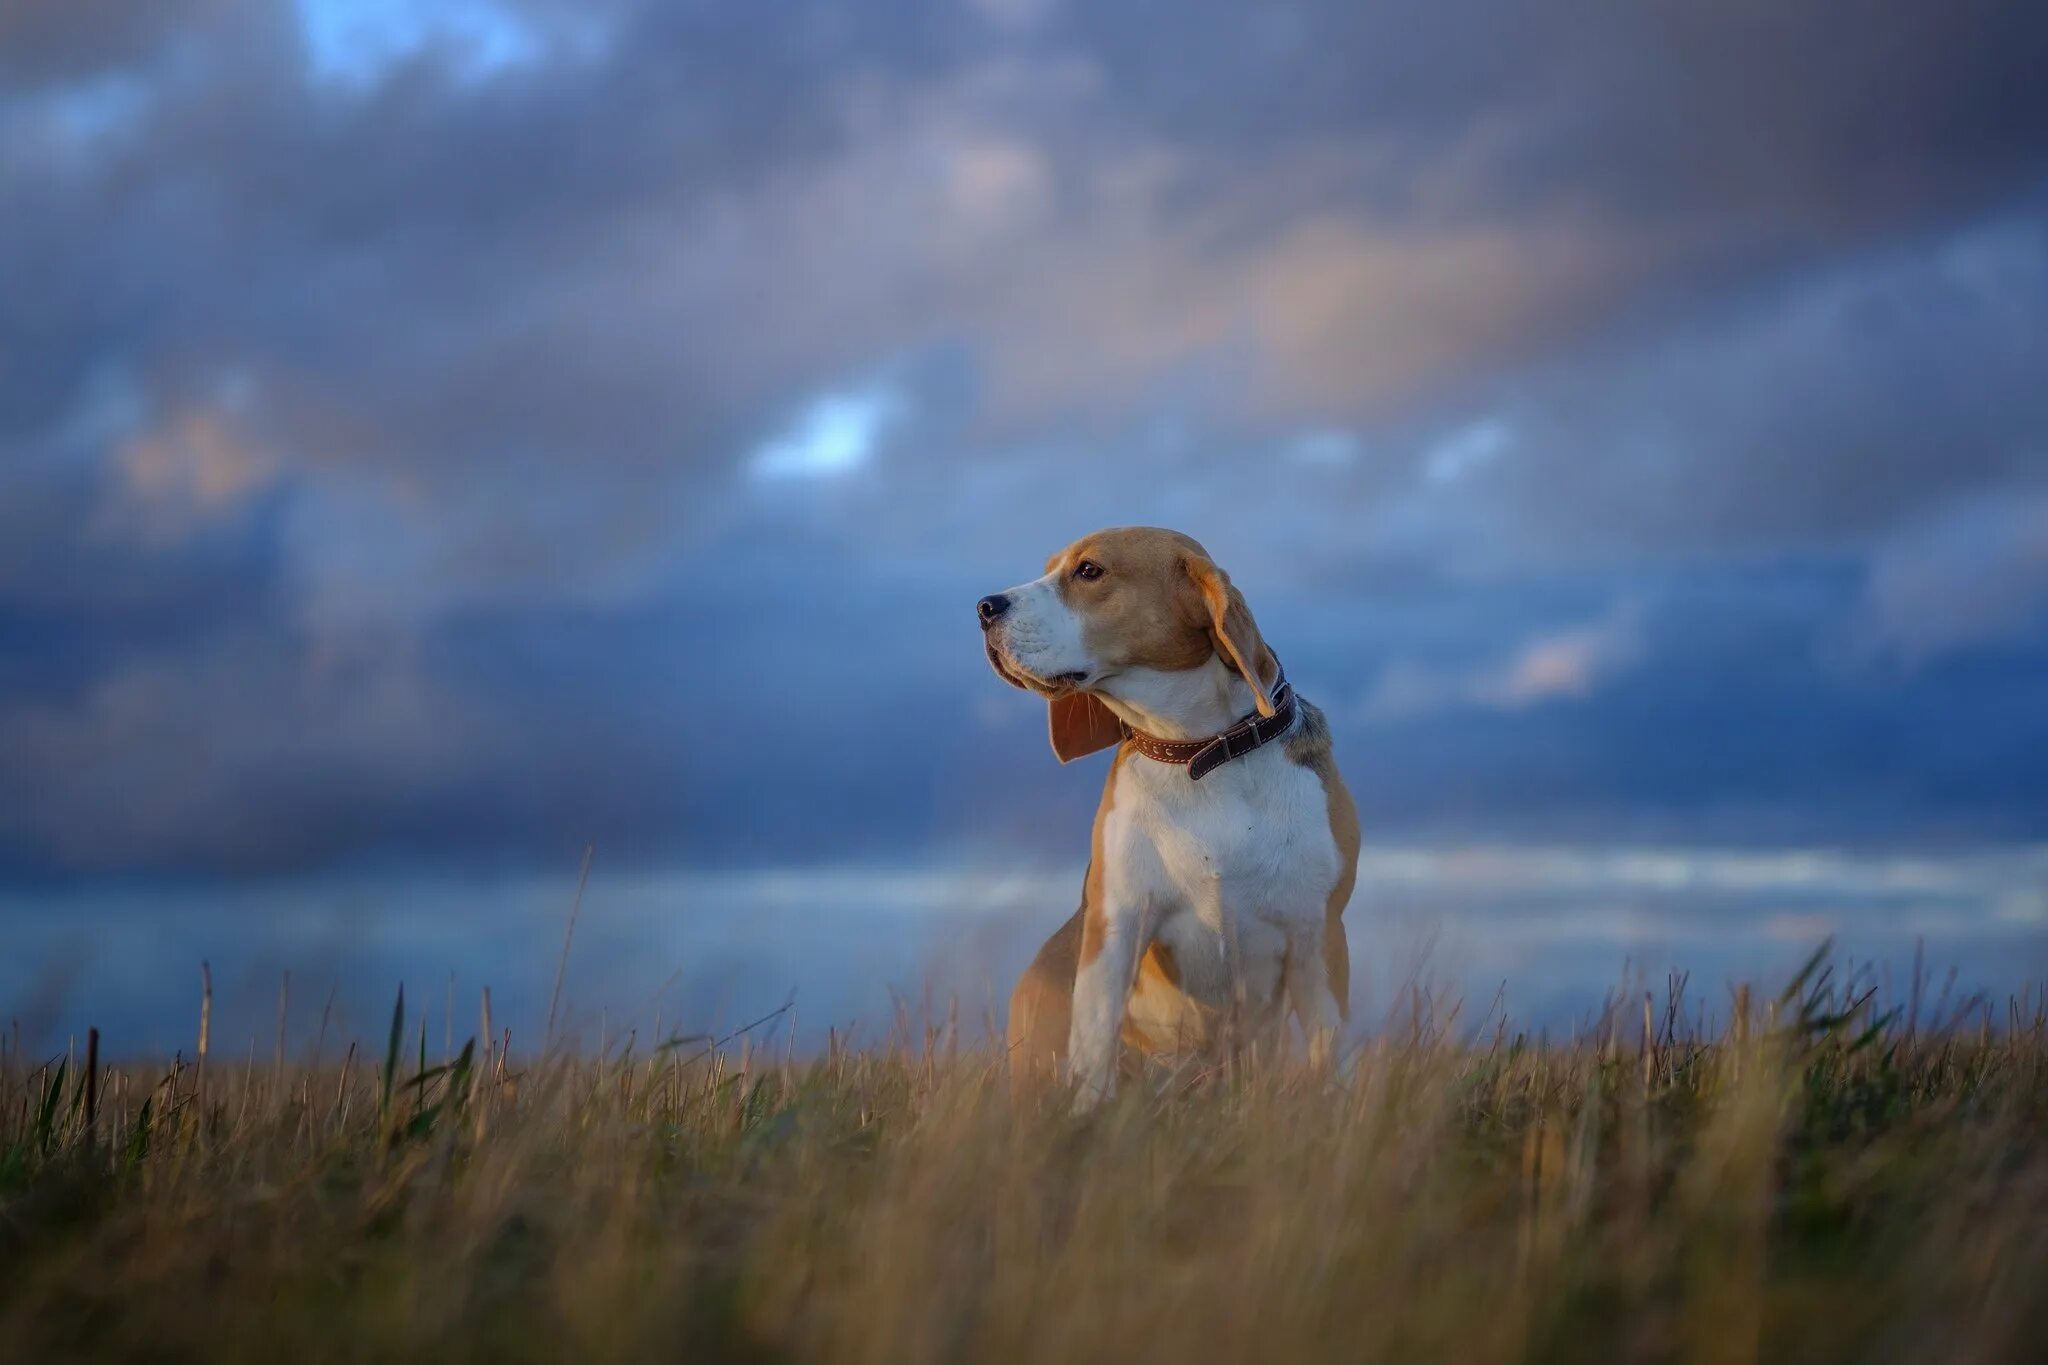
1817	1182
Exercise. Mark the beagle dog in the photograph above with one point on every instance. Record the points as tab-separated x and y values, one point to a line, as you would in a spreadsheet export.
1225	845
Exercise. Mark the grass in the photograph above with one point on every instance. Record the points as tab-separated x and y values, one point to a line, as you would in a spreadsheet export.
1818	1182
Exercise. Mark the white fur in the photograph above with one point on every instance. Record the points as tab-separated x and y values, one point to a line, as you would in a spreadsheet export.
1182	703
1233	873
1040	633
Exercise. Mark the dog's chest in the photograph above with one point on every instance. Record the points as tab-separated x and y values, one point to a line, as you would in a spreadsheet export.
1251	841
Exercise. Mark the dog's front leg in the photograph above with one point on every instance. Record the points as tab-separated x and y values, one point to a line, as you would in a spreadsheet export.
1112	938
1309	996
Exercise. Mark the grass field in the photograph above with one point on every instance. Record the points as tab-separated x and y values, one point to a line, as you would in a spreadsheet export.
1819	1181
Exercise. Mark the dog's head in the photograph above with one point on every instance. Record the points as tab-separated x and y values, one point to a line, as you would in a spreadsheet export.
1128	598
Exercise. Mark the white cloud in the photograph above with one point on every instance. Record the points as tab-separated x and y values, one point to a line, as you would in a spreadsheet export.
355	42
834	436
1466	449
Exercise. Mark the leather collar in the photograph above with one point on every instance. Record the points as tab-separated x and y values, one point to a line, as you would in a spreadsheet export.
1204	756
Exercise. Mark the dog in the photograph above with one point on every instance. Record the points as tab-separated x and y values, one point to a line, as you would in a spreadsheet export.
1225	845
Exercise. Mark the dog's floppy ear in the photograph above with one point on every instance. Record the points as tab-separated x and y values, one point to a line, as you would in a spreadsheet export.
1231	628
1080	725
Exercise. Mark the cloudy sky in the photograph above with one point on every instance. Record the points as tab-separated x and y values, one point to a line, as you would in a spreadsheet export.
437	436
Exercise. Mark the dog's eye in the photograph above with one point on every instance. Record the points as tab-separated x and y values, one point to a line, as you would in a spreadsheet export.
1088	569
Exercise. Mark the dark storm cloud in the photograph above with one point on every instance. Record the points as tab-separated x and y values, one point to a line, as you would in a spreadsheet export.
1708	708
454	442
636	253
1783	116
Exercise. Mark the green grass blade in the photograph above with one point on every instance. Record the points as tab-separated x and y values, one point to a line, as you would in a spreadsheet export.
46	1112
391	1055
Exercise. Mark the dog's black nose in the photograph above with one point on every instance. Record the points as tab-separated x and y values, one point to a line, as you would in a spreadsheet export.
991	609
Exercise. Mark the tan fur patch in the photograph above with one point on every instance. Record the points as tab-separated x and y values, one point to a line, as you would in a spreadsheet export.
1143	609
1091	892
1041	1007
1081	725
1232	631
1157	971
1161	602
1309	746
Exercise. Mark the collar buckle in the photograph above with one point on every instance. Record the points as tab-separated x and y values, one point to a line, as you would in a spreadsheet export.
1204	756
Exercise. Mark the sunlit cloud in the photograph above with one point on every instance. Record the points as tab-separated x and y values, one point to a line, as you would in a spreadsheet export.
1559	665
191	467
1570	663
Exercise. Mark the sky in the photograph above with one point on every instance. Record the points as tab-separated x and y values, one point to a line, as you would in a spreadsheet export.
438	437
